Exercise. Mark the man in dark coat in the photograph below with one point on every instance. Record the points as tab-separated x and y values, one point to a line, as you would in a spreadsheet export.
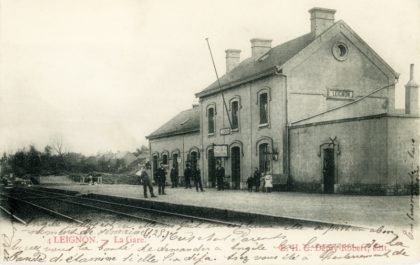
220	176
188	174
257	179
250	182
174	177
197	179
161	180
147	182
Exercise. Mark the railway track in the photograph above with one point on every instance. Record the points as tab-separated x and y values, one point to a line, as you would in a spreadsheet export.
35	195
123	209
13	216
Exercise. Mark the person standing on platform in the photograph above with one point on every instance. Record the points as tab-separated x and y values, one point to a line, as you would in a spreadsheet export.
262	183
188	174
197	179
220	177
257	179
174	177
268	183
250	183
161	180
146	181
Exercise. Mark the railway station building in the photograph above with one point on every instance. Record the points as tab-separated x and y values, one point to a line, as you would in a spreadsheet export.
177	142
317	112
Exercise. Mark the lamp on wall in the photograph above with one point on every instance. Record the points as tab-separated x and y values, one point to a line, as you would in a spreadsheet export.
274	154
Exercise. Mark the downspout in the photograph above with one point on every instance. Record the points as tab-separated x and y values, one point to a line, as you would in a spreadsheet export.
150	156
279	72
202	145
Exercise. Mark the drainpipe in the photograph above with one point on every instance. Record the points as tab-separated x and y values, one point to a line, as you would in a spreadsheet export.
279	72
150	157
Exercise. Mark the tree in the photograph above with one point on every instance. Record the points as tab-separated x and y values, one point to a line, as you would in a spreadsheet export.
33	157
141	150
57	144
5	168
18	163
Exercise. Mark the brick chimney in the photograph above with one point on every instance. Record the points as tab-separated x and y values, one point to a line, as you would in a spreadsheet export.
259	47
412	94
232	59
321	19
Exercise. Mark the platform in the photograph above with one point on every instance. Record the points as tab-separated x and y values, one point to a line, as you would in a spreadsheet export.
365	211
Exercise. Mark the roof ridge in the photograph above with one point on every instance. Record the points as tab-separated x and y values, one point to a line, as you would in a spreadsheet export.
252	66
177	125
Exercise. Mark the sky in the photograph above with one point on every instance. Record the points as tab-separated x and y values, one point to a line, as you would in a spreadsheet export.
103	74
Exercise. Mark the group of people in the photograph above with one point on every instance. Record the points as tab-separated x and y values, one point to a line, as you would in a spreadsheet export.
160	179
263	182
193	174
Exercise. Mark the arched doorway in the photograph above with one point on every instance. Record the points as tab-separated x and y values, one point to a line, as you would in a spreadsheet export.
328	170
264	158
155	164
175	161
235	159
194	159
211	168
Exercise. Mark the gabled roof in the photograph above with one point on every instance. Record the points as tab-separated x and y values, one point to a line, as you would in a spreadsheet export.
252	66
187	121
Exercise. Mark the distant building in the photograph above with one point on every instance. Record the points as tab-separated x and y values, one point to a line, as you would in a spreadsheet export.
318	112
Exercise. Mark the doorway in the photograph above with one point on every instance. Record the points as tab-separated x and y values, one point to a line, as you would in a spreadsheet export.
193	159
329	170
211	168
175	162
236	167
155	164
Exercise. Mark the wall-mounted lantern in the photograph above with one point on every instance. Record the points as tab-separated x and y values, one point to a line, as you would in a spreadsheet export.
274	154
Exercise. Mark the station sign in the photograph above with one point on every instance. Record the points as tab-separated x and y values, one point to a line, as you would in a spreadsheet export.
220	150
338	93
224	131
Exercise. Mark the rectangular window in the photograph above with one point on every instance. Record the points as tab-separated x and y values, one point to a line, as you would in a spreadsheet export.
263	108
210	120
235	118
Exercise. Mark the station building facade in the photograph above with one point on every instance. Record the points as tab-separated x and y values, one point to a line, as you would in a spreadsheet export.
177	142
317	112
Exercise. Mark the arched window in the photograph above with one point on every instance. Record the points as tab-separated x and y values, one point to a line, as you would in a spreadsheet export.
164	159
210	119
235	114
263	101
